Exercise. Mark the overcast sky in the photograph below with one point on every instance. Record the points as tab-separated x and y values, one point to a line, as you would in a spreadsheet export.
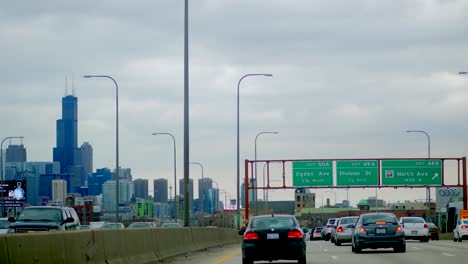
349	78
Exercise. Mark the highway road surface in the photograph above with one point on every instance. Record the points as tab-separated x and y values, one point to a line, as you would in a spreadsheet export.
325	252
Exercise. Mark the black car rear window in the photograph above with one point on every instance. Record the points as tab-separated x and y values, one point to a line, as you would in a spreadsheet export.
274	222
373	218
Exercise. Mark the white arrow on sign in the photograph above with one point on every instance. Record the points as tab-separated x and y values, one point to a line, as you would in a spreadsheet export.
436	175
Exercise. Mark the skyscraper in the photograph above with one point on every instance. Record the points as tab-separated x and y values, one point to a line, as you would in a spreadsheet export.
86	159
124	173
160	190
203	186
108	194
141	188
182	191
66	152
15	153
97	179
59	190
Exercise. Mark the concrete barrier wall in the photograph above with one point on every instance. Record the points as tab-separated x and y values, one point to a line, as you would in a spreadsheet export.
98	246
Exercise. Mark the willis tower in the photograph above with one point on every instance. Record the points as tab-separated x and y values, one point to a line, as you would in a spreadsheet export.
67	152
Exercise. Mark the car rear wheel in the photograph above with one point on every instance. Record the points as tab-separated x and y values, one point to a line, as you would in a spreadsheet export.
302	260
246	261
401	248
356	249
459	239
338	243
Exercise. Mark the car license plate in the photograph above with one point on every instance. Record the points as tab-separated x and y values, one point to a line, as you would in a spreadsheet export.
273	236
414	232
380	230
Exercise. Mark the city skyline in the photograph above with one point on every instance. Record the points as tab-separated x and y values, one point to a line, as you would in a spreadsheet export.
349	78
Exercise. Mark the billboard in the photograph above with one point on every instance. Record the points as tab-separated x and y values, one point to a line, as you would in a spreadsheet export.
14	191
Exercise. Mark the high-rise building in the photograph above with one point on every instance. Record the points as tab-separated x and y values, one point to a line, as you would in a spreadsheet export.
252	192
59	190
182	192
160	190
108	194
45	183
124	173
141	188
67	152
15	153
97	179
211	201
203	185
86	159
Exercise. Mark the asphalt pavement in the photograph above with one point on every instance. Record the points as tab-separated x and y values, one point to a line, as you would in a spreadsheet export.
443	251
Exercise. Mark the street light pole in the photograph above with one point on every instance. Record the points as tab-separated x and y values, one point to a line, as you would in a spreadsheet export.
2	174
256	137
201	199
238	154
175	173
428	189
117	184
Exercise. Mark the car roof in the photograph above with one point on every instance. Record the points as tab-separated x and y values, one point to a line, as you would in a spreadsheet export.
272	216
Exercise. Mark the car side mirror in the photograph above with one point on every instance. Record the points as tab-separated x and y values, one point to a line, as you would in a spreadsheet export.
68	220
11	219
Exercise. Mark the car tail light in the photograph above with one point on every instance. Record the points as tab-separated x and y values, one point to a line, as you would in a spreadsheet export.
403	225
399	229
294	234
328	226
436	229
251	236
425	226
464	226
340	229
362	230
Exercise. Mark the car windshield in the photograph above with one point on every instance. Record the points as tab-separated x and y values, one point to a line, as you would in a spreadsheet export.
413	220
170	225
373	218
40	214
273	222
139	225
347	221
4	224
113	225
318	229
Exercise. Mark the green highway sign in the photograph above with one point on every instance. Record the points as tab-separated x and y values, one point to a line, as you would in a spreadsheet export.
357	172
411	172
312	173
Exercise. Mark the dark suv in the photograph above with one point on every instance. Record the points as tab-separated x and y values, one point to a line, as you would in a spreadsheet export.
44	218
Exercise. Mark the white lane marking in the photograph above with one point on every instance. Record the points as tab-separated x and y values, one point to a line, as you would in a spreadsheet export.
334	257
448	255
415	247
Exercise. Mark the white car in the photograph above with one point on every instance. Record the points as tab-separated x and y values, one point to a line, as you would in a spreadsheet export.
415	228
461	231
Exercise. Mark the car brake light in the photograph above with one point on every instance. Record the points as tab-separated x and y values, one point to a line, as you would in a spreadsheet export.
464	226
294	234
328	226
436	229
399	229
250	236
425	226
340	229
362	230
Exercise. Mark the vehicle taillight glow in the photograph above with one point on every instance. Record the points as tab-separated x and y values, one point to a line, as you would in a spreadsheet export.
464	226
399	229
250	236
294	234
362	230
425	226
340	229
328	226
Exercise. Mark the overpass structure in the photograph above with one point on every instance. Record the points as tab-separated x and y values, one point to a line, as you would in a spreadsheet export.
110	245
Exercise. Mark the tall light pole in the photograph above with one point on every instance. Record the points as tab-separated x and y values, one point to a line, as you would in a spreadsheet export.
117	169
3	171
175	173
428	189
186	117
238	154
256	137
201	199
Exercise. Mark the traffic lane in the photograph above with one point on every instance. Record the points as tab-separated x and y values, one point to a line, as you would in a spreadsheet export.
326	252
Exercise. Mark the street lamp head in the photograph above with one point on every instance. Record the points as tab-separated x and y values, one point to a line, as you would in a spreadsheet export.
463	72
268	75
87	76
154	134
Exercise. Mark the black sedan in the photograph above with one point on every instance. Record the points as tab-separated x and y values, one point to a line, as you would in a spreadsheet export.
378	230
273	237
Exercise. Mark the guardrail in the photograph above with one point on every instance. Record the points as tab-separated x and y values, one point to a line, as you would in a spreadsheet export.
111	246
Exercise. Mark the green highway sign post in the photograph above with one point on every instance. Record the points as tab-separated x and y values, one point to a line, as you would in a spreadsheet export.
357	172
312	173
412	172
